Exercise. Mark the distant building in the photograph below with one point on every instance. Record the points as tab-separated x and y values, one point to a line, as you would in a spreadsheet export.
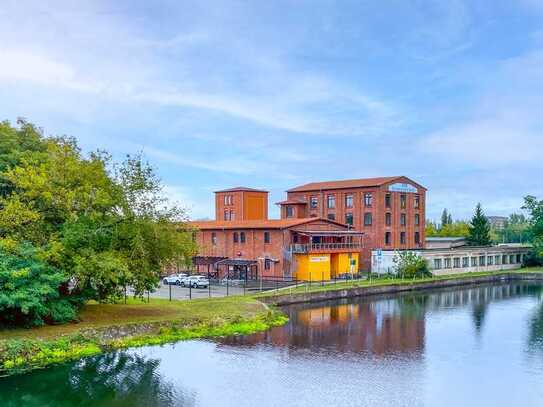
497	222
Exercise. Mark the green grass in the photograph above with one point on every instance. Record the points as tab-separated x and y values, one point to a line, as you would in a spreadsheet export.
22	350
317	286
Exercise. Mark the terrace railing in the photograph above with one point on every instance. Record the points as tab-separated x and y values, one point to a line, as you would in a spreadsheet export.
321	247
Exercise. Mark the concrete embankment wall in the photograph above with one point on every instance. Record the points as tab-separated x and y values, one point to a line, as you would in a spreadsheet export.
332	294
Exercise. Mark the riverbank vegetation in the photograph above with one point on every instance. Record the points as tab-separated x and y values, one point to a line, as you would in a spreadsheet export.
76	227
106	327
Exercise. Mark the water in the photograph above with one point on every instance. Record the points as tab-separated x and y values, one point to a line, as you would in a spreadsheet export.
478	346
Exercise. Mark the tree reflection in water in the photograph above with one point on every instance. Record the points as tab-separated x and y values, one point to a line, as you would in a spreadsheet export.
113	379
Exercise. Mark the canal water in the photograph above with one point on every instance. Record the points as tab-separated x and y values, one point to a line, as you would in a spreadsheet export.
471	346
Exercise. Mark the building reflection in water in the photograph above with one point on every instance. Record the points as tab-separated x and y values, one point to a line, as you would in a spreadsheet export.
380	325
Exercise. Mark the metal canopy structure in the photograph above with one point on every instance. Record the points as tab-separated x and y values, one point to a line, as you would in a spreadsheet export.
239	269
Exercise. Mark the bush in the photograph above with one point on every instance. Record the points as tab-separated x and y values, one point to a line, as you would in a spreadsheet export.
409	265
29	290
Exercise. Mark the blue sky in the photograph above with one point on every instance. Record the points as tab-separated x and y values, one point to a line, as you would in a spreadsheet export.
280	93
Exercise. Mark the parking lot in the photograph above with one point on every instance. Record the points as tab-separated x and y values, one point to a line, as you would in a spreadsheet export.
185	293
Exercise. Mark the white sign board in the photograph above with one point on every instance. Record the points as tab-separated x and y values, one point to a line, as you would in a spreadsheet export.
402	187
318	259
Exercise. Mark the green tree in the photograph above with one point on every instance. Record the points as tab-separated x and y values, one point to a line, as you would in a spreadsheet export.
479	228
409	264
535	209
102	225
446	218
29	290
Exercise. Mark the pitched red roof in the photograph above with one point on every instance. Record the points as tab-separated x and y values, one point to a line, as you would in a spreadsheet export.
257	224
344	184
235	189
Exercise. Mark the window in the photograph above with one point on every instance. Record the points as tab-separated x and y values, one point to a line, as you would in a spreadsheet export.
290	211
349	218
456	262
348	201
331	216
504	259
417	238
447	263
242	237
214	239
465	261
490	260
482	260
402	237
403	201
267	237
331	201
474	262
519	259
388	201
267	264
235	237
402	219
313	202
437	264
511	259
417	219
368	219
497	259
232	215
416	202
228	200
388	219
368	199
388	238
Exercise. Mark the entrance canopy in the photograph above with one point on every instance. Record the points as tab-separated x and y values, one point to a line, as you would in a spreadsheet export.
206	260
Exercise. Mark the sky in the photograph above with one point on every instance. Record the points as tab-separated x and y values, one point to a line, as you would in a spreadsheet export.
275	94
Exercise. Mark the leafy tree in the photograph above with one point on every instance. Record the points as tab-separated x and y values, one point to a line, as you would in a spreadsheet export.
29	290
102	225
453	229
479	228
409	264
515	230
535	209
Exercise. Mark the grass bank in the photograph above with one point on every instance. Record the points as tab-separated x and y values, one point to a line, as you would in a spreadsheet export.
104	327
318	286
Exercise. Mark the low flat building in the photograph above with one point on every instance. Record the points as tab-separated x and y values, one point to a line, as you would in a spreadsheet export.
462	259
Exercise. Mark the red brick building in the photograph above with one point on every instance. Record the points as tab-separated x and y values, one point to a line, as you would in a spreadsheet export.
390	211
326	228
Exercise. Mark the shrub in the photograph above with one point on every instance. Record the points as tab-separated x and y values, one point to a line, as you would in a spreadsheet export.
408	265
29	290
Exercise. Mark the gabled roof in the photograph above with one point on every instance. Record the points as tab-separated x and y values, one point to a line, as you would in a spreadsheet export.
348	183
258	224
245	189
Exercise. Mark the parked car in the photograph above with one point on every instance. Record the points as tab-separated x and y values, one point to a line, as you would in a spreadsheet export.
197	282
174	279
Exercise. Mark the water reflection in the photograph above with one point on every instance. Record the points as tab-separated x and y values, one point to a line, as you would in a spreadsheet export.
114	379
478	345
383	325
